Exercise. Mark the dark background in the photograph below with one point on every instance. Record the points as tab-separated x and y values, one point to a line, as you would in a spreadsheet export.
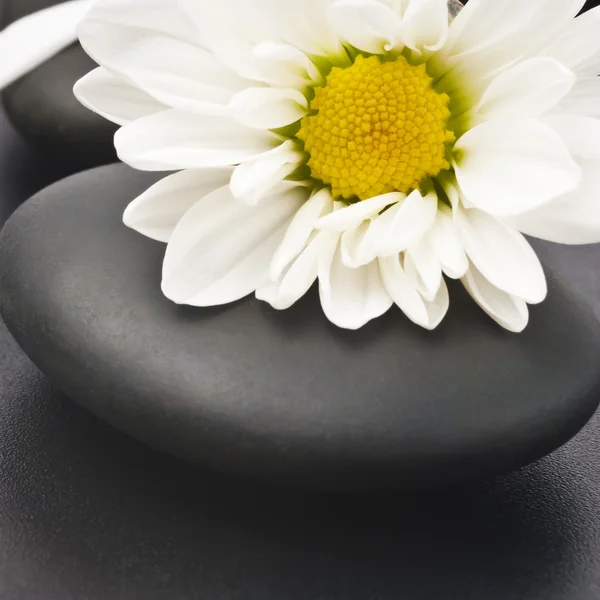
88	514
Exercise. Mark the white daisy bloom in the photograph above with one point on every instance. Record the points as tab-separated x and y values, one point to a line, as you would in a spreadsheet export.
375	146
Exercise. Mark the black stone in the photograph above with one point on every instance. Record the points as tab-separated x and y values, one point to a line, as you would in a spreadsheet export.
284	395
42	107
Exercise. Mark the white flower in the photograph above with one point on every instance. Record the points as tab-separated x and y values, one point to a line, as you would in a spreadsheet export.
366	144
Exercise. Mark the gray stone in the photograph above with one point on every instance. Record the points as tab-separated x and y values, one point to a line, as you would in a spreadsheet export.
284	395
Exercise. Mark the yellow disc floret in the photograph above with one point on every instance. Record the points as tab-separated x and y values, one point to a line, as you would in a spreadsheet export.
376	127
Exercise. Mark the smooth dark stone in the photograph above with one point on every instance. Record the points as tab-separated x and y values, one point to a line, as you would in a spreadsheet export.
42	107
284	395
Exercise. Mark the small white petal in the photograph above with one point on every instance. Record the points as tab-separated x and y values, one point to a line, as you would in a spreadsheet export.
423	267
157	211
404	224
220	251
174	139
446	243
251	181
283	65
357	248
297	278
508	311
114	98
571	219
367	25
502	255
268	108
300	230
404	293
353	215
351	297
583	98
425	25
510	166
528	89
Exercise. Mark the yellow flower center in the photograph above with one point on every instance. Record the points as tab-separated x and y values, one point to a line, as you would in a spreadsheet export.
376	127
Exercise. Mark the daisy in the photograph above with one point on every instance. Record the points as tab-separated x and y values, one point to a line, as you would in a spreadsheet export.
378	147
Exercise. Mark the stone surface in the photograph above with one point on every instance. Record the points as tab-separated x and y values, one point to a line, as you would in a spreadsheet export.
284	395
42	107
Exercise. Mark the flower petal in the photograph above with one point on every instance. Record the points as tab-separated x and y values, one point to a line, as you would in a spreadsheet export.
445	242
583	98
502	255
157	211
300	230
297	278
254	180
510	166
284	65
404	224
174	139
571	219
508	311
151	45
220	251
425	25
356	247
114	98
404	293
581	134
268	108
351	216
578	43
367	25
422	266
351	297
528	89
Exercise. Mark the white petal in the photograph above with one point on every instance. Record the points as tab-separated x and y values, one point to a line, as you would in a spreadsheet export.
283	65
510	166
445	242
527	89
425	25
353	215
579	42
508	311
583	99
157	211
357	248
351	297
571	219
423	267
502	255
268	108
300	230
483	24
175	139
581	134
114	98
297	278
219	26
367	25
220	251
404	293
31	40
148	43
254	180
404	224
305	25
